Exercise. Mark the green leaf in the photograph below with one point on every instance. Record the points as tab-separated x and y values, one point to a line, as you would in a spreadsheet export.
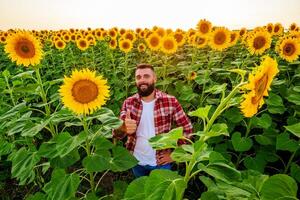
274	100
239	143
164	185
66	161
167	140
200	112
32	130
61	145
216	130
295	172
216	89
5	147
257	163
264	121
221	171
37	196
283	142
121	159
180	155
96	163
23	163
233	115
294	97
119	189
263	140
279	186
135	190
295	129
61	116
62	185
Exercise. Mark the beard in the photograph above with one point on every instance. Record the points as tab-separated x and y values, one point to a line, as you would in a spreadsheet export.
144	92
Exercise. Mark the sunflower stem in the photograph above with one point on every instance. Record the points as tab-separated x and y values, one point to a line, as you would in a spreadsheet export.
10	91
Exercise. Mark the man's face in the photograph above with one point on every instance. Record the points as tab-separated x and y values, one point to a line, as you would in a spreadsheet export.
145	80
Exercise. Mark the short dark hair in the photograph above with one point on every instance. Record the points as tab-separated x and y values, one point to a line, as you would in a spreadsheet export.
144	66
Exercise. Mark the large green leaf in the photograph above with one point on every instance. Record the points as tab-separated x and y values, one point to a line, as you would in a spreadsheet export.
23	163
295	172
257	163
221	171
5	147
239	143
31	130
62	186
167	140
279	186
121	159
265	121
216	130
201	112
136	189
164	185
284	142
294	97
96	163
61	145
295	129
180	155
233	115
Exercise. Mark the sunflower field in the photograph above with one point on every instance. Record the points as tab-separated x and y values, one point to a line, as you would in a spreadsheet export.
62	90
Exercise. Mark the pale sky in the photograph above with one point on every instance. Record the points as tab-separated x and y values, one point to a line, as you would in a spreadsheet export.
64	14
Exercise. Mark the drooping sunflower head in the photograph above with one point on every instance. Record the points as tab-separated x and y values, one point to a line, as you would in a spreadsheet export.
125	45
154	41
259	84
259	41
204	27
168	45
24	48
84	92
219	38
288	48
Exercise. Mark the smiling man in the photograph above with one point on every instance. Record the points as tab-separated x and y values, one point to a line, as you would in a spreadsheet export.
148	113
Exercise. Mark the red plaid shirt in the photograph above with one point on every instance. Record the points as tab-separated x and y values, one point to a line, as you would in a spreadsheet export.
166	110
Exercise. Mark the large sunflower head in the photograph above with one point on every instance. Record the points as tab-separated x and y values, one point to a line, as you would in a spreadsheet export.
125	45
24	48
219	38
154	41
259	84
288	48
204	27
84	92
168	45
259	41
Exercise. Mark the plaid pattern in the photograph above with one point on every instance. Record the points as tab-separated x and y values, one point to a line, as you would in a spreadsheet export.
166	110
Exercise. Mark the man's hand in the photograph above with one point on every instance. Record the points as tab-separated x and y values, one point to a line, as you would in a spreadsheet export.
164	158
129	125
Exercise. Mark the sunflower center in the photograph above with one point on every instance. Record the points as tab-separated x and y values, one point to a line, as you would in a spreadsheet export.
168	44
200	40
276	29
260	87
259	42
25	49
154	41
289	49
178	37
84	91
204	28
220	38
82	43
125	45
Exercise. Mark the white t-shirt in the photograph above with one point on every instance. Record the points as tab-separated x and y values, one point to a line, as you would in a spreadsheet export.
143	152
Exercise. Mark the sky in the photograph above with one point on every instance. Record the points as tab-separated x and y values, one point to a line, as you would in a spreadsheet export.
184	14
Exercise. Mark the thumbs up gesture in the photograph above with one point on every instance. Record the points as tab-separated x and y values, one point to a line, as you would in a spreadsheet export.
129	125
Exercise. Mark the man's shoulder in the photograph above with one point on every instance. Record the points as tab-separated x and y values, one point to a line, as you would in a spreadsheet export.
167	96
132	98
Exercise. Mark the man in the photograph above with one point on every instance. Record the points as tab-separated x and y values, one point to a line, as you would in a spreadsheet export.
148	113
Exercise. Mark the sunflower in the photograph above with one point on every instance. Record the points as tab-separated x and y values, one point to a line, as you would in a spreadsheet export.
113	43
270	28
192	76
84	92
161	32
112	33
179	37
278	29
259	41
204	27
234	36
91	39
60	44
288	48
141	47
154	41
259	84
168	45
199	40
82	44
23	48
293	26
129	35
219	38
125	45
